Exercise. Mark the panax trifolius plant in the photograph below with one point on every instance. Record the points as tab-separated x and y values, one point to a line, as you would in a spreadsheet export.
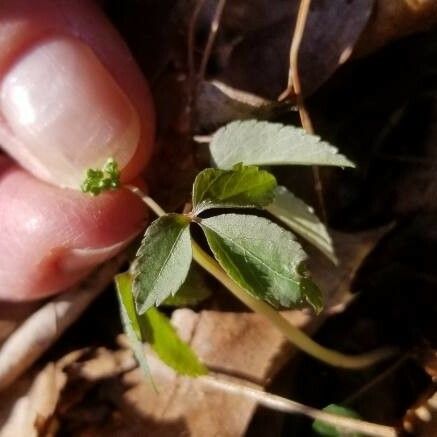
259	261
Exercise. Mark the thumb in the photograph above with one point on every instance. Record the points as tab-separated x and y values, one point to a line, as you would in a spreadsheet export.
70	94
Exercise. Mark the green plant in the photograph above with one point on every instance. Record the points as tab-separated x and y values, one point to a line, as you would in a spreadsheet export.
324	429
259	262
98	181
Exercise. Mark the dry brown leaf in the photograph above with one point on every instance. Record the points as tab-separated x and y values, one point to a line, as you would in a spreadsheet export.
77	416
330	34
334	30
240	344
31	412
393	19
429	363
27	407
231	104
103	364
335	27
42	328
421	419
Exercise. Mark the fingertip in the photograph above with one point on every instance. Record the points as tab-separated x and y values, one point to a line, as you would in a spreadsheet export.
51	237
71	94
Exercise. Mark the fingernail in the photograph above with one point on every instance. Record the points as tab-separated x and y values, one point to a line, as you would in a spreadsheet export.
67	112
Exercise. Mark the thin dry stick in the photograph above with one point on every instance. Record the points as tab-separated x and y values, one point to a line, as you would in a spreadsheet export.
294	83
294	79
126	362
192	76
191	41
244	388
268	400
41	330
211	37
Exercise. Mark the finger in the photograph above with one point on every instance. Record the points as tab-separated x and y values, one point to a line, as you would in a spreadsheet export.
70	94
51	237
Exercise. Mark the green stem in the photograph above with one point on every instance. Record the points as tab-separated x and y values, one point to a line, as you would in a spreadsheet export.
153	206
293	334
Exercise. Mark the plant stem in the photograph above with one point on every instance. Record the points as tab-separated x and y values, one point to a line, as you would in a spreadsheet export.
293	334
153	206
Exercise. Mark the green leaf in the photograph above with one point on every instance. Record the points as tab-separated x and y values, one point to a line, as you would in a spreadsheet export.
156	329
129	319
240	187
312	295
193	291
300	217
326	430
165	341
262	258
264	143
97	181
163	261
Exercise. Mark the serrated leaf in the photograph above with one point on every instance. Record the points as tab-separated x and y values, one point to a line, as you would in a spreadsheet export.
264	143
300	217
326	430
169	347
193	291
131	326
163	261
262	258
155	328
240	187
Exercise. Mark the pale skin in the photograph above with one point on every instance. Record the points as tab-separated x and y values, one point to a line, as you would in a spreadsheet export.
71	96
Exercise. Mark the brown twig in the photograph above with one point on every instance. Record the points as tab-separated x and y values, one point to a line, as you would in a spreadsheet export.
192	75
268	400
191	42
236	386
294	78
215	24
294	84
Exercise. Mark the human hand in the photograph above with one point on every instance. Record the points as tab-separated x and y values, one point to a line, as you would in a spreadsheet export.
71	96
